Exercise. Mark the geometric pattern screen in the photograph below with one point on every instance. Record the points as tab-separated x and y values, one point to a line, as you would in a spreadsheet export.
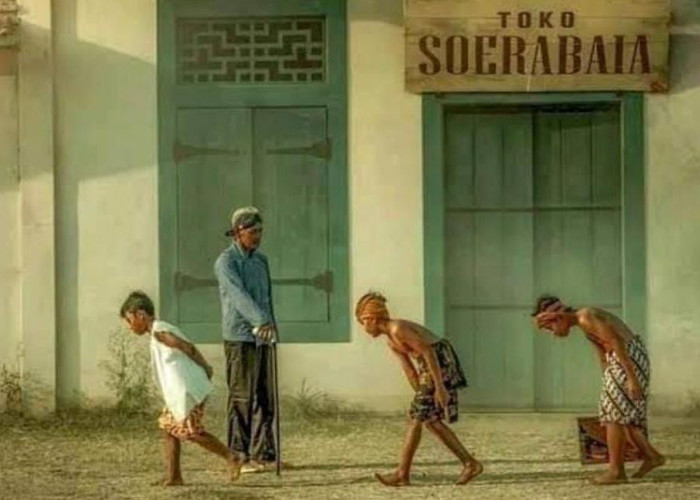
261	50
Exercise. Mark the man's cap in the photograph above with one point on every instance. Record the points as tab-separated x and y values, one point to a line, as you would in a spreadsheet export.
244	218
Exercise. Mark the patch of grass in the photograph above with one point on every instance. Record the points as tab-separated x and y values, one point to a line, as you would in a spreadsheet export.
694	405
309	405
11	390
76	421
129	374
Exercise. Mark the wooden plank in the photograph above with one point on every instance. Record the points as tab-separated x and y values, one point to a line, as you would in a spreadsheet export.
577	183
291	189
459	160
548	166
605	157
577	253
488	161
487	8
607	257
487	252
214	174
539	45
502	364
517	160
434	240
460	258
583	27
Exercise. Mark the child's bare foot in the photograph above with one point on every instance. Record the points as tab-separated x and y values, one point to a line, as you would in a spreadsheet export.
649	465
470	471
235	466
172	482
609	478
392	479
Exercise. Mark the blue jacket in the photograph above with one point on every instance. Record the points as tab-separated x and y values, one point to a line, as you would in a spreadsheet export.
246	293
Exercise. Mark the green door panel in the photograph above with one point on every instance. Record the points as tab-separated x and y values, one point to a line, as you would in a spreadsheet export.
532	205
291	189
488	228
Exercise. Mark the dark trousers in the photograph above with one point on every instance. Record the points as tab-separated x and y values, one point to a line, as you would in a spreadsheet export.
251	400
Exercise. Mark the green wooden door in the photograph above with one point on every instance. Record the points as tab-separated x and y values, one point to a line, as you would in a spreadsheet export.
489	232
277	160
252	112
578	242
532	200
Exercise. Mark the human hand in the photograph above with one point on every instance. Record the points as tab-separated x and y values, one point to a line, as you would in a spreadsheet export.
266	333
442	397
634	389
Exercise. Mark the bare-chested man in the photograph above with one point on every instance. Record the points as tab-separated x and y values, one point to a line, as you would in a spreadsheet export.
625	364
433	370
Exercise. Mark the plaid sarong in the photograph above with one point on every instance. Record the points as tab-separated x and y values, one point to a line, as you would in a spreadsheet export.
616	406
424	407
185	429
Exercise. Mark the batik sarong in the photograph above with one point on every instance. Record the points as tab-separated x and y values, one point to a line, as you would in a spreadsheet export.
424	408
616	405
185	429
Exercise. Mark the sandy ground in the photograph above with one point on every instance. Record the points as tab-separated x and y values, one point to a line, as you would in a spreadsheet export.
525	456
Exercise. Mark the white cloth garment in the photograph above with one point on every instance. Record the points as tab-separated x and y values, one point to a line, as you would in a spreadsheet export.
183	383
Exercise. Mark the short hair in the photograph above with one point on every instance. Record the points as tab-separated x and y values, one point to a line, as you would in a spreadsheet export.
371	295
137	301
544	302
244	218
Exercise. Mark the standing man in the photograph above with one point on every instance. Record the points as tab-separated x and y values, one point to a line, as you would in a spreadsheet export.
626	371
248	326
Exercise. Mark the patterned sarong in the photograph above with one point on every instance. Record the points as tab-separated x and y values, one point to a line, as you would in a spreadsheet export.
185	429
616	406
424	407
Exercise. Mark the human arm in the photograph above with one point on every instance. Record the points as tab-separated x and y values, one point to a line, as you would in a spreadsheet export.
268	333
175	342
607	334
230	279
408	368
420	346
600	352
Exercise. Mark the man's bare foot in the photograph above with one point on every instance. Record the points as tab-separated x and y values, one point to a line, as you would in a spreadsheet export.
649	465
392	479
252	466
470	471
609	478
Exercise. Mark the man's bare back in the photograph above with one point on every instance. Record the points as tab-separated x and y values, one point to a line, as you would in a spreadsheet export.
599	325
404	335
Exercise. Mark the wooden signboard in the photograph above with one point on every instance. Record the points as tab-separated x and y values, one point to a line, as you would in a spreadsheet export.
536	45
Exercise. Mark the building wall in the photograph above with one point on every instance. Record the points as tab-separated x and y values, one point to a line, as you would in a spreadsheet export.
673	219
106	170
106	208
9	221
107	214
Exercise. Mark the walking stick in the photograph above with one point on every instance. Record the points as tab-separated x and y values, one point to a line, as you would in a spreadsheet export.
278	447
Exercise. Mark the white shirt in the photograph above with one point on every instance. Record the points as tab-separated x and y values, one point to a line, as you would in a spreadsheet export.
183	383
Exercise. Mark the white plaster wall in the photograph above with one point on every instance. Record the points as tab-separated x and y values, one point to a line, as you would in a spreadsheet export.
106	167
106	122
9	222
673	220
107	233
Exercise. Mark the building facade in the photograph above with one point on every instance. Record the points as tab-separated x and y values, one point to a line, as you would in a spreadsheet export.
130	130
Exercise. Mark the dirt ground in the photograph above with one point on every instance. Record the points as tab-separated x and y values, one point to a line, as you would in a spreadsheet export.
525	456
